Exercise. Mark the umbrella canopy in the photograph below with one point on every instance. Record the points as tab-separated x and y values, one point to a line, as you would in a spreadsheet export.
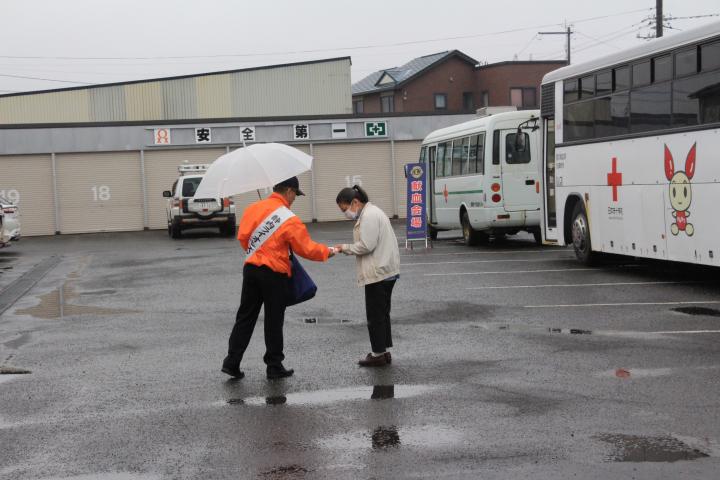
260	165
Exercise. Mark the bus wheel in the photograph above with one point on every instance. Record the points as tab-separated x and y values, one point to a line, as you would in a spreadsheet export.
538	237
470	235
432	233
581	236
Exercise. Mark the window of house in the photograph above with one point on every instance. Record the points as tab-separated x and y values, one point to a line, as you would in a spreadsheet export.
523	97
486	99
387	103
440	101
358	106
468	101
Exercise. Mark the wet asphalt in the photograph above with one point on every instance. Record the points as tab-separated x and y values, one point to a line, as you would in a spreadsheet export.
510	361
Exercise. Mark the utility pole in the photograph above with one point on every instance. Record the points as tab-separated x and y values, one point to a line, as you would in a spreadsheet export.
659	18
567	32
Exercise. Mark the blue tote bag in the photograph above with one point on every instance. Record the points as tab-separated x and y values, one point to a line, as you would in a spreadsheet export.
300	286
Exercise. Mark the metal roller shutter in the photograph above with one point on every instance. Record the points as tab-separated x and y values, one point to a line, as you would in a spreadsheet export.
27	181
405	152
302	206
161	171
341	165
99	192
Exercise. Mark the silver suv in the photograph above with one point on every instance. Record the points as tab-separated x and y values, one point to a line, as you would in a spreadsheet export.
184	211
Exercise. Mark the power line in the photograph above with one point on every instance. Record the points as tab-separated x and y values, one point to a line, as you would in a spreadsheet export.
360	47
44	79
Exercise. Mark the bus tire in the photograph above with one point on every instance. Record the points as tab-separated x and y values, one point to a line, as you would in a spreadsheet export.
537	236
432	233
470	235
580	229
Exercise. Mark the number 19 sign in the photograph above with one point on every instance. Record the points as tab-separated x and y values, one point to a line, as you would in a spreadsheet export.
416	227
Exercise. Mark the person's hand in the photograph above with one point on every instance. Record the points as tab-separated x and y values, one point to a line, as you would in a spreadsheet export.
338	248
331	252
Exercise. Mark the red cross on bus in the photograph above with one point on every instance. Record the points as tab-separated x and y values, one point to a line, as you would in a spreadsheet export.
614	179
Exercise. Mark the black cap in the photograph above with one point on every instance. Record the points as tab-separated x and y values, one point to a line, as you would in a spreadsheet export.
293	183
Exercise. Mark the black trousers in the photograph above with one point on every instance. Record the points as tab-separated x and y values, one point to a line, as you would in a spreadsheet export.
261	287
378	298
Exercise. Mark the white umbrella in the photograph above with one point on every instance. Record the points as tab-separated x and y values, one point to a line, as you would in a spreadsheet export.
260	165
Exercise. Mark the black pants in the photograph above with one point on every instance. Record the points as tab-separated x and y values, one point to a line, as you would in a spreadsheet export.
261	287
377	308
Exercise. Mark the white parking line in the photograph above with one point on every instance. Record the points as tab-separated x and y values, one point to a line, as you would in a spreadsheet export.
624	304
608	284
503	260
494	252
508	272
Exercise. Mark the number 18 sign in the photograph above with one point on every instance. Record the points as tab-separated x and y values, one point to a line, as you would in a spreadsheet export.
416	227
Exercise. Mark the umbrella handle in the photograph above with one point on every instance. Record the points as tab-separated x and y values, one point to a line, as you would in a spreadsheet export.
258	192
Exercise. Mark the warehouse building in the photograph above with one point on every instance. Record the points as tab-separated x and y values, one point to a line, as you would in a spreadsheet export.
96	159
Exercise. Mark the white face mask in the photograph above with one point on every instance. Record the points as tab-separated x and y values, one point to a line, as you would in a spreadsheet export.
350	214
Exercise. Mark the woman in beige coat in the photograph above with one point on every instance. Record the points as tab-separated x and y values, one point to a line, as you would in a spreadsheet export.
378	267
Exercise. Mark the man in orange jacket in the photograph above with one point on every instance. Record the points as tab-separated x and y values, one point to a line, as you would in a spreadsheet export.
268	231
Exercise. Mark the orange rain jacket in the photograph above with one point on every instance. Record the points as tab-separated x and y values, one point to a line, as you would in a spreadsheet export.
292	234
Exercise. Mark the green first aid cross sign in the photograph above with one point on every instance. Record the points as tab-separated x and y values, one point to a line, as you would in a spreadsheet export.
376	129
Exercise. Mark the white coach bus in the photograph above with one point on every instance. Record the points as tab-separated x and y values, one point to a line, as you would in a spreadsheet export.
632	151
483	176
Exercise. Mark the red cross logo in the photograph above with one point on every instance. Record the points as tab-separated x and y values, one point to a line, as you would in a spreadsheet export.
614	179
445	193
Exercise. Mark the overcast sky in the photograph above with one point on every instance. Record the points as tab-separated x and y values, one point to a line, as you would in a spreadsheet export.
111	40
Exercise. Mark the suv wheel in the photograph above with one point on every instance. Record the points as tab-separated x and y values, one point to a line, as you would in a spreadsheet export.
175	229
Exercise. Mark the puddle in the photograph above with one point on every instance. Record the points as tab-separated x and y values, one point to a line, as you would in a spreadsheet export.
391	437
9	377
529	328
325	397
711	312
99	292
55	304
570	331
21	340
632	448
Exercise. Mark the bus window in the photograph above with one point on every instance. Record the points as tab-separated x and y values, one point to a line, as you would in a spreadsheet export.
443	158
662	68
603	82
621	78
686	62
457	157
475	162
696	99
650	108
465	154
641	74
516	156
571	90
710	56
423	152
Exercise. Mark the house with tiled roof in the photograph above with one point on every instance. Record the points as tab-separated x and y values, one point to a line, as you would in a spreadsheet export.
450	82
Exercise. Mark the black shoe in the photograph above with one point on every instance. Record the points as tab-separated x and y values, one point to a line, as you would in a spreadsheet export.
279	372
233	372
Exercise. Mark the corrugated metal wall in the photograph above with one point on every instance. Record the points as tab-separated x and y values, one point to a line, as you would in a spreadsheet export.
321	88
104	191
28	178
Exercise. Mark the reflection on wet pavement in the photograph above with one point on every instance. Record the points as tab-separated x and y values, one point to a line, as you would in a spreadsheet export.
424	437
632	448
385	437
55	304
324	397
286	472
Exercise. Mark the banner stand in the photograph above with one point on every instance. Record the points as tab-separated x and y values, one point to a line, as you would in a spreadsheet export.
416	224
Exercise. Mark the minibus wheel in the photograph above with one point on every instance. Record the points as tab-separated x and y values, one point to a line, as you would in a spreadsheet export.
432	232
470	235
580	229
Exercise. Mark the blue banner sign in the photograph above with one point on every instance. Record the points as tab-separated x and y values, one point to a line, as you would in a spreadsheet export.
416	201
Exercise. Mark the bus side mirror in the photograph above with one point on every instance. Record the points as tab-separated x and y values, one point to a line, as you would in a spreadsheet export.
520	141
